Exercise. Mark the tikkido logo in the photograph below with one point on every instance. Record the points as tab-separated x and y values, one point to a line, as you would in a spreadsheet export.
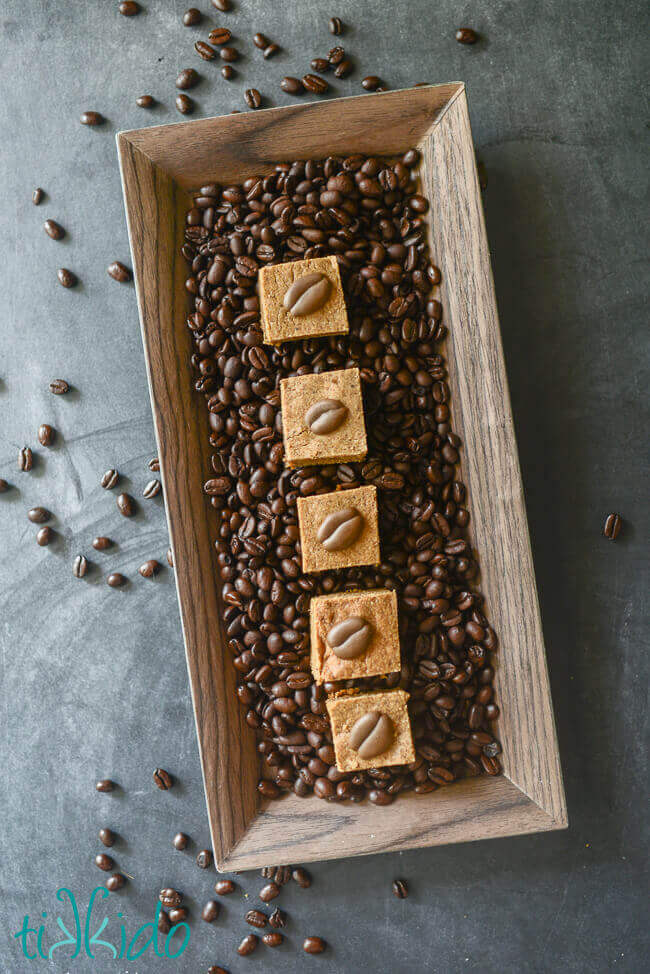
82	942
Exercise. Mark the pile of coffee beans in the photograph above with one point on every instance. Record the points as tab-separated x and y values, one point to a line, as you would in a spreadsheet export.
368	213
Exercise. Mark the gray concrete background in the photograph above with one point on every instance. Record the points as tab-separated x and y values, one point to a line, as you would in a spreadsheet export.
94	680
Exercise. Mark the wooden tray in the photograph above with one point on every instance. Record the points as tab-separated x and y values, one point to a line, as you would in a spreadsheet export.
160	166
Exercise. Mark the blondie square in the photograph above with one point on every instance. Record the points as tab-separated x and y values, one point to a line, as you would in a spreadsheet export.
302	299
371	730
354	635
339	530
322	418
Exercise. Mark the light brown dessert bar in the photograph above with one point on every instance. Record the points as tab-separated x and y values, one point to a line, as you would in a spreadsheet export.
347	711
358	509
279	324
308	440
357	651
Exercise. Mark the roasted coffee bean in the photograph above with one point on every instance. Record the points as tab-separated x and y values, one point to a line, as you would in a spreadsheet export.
103	861
109	479
45	536
38	515
152	489
271	51
256	918
325	416
215	969
278	919
465	35
25	459
192	17
612	526
170	897
184	104
149	568
269	892
107	837
163	779
252	98
350	638
67	278
372	734
188	78
319	64
115	882
204	859
302	877
222	5
336	26
126	505
261	41
177	914
59	387
336	56
205	51
105	784
119	272
340	529
248	945
313	945
272	938
79	566
223	887
145	101
400	889
180	841
163	922
154	464
315	84
210	911
116	580
54	229
292	86
343	69
228	72
229	54
129	8
220	35
37	196
46	435
101	543
371	82
92	118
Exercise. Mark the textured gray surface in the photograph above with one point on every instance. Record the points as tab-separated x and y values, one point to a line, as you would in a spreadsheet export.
94	680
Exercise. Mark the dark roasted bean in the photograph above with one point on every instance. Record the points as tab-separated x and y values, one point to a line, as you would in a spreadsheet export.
315	84
54	229
252	98
162	779
126	505
261	41
129	8
37	196
79	566
107	837
115	882
59	387
210	911
104	862
45	536
92	118
229	54
313	945
192	17
188	78
105	784
184	104
371	82
336	26
67	278
227	72
222	5
101	543
319	64
152	489
220	35
180	841
223	887
465	35
292	86
25	459
38	515
272	938
145	101
278	919
256	918
177	914
170	897
271	51
248	945
400	889
205	51
116	580
109	479
119	272
46	435
269	892
343	69
149	568
612	526
163	922
302	877
204	859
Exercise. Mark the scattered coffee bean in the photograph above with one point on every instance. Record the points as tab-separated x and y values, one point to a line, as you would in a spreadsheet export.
145	101
256	918
170	558
4	486
222	5
129	8
184	104
188	78
215	969
278	918
104	862
101	543
315	84
205	51
220	36
210	911
115	882
163	922
400	889
180	841
343	69
46	434
44	537
248	945
37	196
272	938
67	278
154	464
25	459
170	897
336	26
465	35
163	779
149	568
319	64
116	580
269	892
371	82
292	86
229	54
612	526
261	41
228	72
126	505
302	877
105	784
313	945
108	837
109	479
271	51
252	98
192	17
59	387
177	914
92	118
79	566
54	229
152	489
223	887
204	859
119	272
38	515
336	56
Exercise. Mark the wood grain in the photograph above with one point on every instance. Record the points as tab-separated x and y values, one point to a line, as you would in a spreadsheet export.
159	165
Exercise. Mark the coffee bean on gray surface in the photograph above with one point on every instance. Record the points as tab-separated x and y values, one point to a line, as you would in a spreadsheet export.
126	505
152	489
400	889
315	84
336	55
188	78
170	897
46	434
79	566
129	8
116	580
612	527
272	938
184	104
261	41
92	118
180	841
110	478
220	35
228	72
154	464
278	919
54	229
256	918
115	882
205	51
38	515
224	887
371	82
149	568
252	98
119	272
4	486
292	86
269	892
105	785
222	5
145	101
319	64
37	196
465	35
104	862
59	387
107	837
192	17
163	779
67	278
210	911
229	53
336	25
45	536
204	859
343	68
301	877
270	51
177	914
248	944
313	945
25	459
163	922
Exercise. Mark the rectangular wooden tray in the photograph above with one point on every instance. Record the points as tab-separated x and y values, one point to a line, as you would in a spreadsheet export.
160	167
